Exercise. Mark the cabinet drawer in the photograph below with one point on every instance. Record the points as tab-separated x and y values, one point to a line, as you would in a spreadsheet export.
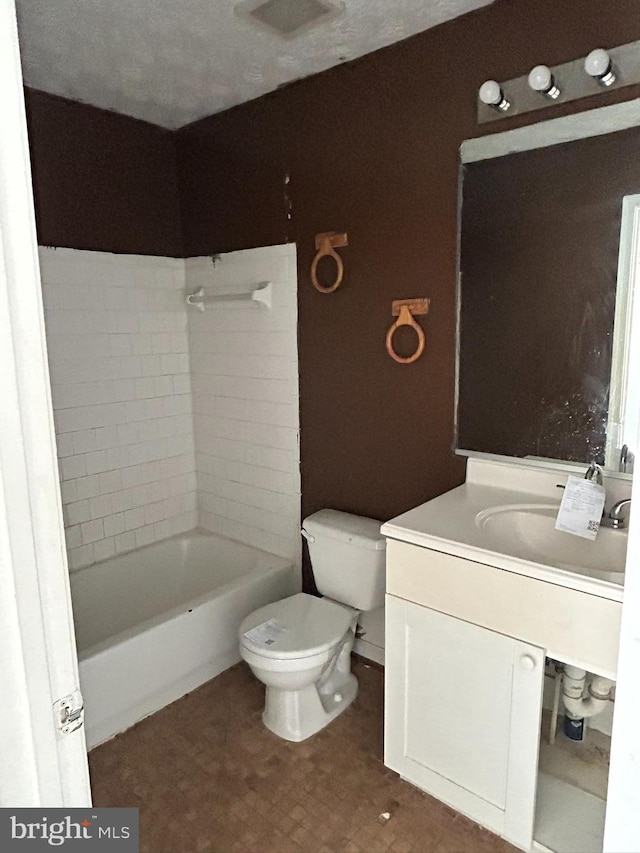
552	617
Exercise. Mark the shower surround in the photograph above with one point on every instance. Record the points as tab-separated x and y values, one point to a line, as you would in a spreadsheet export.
168	419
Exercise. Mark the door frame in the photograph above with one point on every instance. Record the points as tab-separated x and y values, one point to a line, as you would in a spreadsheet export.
40	766
622	820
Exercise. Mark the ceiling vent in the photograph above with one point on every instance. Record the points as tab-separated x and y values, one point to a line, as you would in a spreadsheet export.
289	18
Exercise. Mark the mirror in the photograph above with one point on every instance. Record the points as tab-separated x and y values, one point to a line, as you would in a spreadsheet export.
548	252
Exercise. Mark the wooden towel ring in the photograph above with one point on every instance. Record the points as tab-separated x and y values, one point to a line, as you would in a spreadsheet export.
326	245
404	309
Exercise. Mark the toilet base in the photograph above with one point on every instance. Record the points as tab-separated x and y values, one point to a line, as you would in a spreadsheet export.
295	715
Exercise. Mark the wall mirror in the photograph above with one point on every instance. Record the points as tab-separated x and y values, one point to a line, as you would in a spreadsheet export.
548	355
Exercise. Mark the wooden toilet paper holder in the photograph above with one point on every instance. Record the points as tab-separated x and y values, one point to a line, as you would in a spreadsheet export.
326	245
404	310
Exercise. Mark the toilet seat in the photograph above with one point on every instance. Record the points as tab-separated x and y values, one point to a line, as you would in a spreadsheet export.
305	626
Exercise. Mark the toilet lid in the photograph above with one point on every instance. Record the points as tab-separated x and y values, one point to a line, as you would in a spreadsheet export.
295	627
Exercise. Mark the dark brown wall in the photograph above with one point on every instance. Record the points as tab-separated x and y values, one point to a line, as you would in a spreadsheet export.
370	148
102	181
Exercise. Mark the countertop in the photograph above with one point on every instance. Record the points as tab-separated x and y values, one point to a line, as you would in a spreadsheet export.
448	524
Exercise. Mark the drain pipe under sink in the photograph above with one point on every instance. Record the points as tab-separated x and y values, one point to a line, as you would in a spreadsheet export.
580	706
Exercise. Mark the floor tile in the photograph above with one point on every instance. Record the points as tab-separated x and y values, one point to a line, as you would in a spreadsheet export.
208	777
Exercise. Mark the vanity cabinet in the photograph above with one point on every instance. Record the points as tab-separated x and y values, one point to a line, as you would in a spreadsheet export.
468	628
462	714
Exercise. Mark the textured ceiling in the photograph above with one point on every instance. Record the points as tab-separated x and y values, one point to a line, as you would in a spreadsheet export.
174	61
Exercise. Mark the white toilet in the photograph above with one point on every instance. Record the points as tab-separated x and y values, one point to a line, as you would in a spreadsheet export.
300	647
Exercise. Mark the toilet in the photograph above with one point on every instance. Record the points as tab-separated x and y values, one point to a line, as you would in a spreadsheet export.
300	647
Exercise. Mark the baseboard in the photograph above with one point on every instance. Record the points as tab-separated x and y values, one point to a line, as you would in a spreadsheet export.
369	651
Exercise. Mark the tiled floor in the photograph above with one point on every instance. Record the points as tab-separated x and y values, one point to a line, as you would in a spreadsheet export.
207	776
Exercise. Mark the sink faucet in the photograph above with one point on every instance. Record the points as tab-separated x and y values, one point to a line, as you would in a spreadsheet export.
615	519
594	470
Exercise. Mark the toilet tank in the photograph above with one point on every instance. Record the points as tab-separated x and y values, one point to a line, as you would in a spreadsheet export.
347	556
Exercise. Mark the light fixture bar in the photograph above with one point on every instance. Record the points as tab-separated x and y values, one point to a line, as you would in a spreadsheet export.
570	81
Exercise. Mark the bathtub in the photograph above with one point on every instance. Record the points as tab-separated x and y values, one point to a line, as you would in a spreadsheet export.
154	624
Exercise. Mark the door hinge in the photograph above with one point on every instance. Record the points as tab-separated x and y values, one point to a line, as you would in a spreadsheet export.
69	713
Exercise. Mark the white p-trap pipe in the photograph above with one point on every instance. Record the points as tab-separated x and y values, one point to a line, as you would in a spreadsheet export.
575	702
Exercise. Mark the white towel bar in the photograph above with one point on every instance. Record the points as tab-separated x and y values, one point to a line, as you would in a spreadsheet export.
261	294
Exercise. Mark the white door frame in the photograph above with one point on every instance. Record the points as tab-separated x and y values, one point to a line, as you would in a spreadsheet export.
622	824
38	658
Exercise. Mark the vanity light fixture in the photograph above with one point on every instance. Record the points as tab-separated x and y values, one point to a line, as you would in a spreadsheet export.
542	80
491	94
598	65
600	70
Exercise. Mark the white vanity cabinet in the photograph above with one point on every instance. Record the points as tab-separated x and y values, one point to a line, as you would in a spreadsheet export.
462	715
467	631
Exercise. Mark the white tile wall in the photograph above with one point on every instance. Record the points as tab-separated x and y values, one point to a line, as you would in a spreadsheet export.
244	373
117	339
123	356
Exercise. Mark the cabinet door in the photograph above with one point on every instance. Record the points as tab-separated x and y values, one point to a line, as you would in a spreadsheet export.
462	715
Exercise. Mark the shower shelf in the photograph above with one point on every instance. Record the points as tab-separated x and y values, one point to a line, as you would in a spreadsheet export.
261	294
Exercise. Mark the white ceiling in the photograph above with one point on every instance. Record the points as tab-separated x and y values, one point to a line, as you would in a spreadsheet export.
174	61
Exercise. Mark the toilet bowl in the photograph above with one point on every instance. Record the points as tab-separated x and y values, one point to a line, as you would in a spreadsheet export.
300	647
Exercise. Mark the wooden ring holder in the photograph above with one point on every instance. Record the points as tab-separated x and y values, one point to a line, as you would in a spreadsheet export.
404	309
326	245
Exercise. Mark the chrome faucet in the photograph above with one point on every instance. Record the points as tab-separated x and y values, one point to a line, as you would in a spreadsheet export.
615	519
594	470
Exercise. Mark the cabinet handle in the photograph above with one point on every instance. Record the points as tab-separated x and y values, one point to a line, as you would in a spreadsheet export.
528	662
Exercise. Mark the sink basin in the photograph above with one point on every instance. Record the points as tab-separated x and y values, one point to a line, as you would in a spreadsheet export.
527	531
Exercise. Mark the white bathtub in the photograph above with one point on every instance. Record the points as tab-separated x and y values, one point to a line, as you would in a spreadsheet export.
156	623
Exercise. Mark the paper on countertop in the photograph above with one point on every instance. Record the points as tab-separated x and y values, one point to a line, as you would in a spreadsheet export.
581	508
266	633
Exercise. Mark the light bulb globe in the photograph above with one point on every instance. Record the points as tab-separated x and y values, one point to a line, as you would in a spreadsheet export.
597	63
490	93
540	78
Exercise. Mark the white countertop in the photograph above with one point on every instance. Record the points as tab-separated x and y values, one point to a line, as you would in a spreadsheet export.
448	524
